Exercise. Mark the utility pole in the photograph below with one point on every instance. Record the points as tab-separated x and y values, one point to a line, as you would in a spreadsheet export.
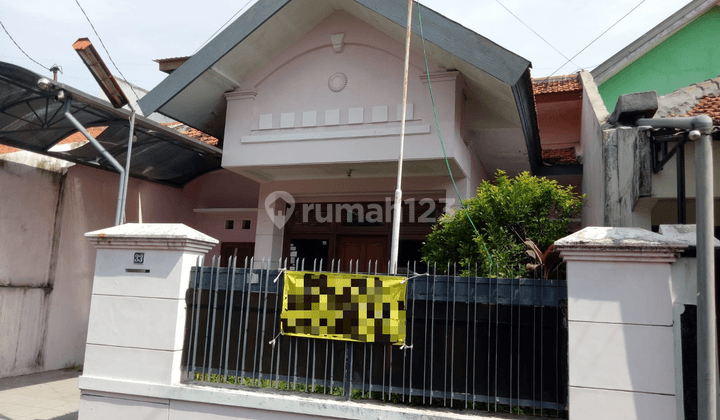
397	214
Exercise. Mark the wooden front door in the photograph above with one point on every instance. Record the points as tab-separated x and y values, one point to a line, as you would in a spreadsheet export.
243	249
363	249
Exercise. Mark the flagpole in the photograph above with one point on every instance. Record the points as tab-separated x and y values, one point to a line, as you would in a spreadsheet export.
397	214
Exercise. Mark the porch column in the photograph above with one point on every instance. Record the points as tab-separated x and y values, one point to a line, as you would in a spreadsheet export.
620	323
272	217
137	312
239	122
451	198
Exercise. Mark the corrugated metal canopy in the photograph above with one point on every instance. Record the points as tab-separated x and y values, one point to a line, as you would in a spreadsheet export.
32	119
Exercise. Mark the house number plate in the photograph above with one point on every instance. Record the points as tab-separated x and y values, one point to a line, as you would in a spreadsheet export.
139	258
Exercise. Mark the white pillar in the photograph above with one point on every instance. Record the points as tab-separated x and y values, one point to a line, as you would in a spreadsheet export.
620	324
239	122
270	228
137	312
452	202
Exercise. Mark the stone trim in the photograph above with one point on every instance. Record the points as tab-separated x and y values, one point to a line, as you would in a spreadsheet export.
165	236
248	94
619	245
266	400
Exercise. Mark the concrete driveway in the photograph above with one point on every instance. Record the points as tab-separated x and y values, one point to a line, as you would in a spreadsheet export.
40	396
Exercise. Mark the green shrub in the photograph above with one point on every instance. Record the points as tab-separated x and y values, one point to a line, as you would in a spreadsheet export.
507	213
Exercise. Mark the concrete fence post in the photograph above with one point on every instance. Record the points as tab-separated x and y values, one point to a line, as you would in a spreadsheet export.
620	323
137	312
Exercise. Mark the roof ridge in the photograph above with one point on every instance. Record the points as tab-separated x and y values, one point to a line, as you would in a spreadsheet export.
558	78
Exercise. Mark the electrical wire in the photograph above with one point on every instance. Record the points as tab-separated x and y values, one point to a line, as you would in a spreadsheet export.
107	52
442	143
21	50
223	25
533	31
593	41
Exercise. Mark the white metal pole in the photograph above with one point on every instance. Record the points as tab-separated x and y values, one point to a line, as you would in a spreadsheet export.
126	178
105	154
706	333
397	214
702	126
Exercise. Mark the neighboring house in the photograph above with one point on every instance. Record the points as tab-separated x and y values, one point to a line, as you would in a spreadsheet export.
570	113
632	194
678	52
48	203
558	102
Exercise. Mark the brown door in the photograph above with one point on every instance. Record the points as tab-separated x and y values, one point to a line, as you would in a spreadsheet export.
363	249
244	249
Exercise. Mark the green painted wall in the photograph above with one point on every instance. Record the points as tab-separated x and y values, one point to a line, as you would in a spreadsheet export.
690	56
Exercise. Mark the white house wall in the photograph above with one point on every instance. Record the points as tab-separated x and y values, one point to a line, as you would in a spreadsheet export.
664	183
27	211
46	265
217	197
594	114
288	114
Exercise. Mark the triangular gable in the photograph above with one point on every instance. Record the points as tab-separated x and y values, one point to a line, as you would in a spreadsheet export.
651	39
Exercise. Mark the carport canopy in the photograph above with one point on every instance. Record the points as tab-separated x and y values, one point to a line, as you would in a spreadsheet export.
33	119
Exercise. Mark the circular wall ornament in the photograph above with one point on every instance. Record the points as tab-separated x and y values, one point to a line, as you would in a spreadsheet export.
337	82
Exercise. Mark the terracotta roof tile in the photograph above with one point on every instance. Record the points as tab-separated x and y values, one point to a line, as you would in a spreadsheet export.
709	105
74	138
565	156
96	131
7	149
556	84
194	133
199	135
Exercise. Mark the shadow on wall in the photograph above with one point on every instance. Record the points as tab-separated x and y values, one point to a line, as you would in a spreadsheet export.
69	416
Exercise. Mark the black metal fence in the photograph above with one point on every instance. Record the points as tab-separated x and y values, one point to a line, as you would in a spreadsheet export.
477	343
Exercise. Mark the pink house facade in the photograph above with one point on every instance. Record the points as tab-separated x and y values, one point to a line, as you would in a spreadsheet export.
313	109
304	98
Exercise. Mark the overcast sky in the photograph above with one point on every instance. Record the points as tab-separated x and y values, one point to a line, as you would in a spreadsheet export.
136	32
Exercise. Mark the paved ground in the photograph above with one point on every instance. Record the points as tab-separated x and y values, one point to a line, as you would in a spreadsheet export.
50	395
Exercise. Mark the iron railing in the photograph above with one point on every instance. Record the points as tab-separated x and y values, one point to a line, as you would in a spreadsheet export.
492	344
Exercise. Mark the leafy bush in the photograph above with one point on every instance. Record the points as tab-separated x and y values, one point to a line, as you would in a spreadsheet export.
507	213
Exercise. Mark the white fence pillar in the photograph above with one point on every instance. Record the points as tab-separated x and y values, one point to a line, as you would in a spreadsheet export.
620	317
137	313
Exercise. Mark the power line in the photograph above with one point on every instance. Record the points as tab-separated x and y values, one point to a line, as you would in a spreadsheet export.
223	25
106	51
21	50
442	143
533	31
593	41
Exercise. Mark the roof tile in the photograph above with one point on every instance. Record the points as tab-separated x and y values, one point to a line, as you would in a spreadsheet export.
96	131
556	84
7	149
566	156
709	105
74	138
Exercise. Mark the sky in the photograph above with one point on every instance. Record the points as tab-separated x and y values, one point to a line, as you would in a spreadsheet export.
137	32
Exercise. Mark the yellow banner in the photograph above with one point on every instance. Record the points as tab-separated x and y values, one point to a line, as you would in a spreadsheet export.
350	307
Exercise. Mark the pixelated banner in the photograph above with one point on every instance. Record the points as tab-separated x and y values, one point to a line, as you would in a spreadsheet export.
350	307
